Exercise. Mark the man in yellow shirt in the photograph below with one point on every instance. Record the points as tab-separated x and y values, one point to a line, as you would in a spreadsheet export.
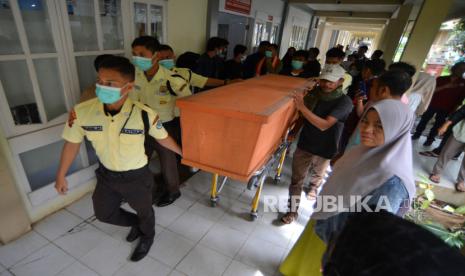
167	60
117	128
156	87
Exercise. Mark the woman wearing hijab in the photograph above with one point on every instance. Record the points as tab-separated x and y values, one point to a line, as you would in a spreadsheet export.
379	170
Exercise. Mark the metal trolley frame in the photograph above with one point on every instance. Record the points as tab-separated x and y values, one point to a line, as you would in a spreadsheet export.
258	178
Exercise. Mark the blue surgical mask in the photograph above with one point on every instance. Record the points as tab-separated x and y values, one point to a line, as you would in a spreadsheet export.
108	94
142	63
297	64
167	63
268	54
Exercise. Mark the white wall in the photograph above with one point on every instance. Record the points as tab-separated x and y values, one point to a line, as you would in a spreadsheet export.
295	17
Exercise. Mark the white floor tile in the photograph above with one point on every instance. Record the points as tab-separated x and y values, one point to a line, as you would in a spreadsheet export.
77	269
80	240
6	273
203	209
191	226
57	224
261	254
145	267
108	256
83	207
15	251
203	261
238	268
187	199
168	214
224	239
170	248
238	221
49	260
278	235
177	273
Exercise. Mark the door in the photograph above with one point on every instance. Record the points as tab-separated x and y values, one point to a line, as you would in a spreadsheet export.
148	17
46	60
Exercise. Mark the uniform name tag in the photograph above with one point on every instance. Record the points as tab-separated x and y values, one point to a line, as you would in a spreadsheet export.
92	128
132	131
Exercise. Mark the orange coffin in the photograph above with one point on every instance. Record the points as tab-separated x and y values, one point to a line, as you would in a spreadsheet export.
234	129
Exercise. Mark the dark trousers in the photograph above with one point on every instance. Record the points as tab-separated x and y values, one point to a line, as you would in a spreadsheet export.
426	117
135	187
168	159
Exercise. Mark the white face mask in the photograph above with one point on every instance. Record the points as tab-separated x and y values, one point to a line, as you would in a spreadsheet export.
243	58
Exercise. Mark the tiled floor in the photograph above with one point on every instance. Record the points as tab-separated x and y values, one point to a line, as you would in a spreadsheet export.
192	238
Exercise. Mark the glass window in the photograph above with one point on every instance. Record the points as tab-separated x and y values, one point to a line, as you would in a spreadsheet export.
156	22
86	71
37	25
17	86
82	22
51	88
9	40
41	164
140	19
112	25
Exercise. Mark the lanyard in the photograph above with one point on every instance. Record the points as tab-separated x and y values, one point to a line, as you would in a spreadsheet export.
127	119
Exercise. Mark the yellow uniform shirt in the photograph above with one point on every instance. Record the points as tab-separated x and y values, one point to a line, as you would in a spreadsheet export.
155	93
119	147
192	78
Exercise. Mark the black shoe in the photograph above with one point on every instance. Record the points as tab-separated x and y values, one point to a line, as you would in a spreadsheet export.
428	143
415	137
167	199
142	249
134	234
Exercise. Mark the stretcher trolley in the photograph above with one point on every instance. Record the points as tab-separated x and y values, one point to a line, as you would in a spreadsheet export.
239	131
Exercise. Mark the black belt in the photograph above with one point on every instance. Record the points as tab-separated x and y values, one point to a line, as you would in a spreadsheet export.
123	174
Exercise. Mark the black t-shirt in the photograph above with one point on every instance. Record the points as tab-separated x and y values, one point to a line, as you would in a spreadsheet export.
233	70
313	67
325	143
210	67
304	74
250	65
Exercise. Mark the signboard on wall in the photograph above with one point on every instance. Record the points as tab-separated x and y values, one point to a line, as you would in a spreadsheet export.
239	6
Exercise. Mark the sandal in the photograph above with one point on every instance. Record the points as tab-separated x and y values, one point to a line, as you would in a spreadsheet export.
289	217
429	154
435	178
460	187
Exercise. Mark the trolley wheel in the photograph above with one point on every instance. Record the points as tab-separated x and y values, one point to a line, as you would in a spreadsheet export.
277	179
214	201
253	182
253	216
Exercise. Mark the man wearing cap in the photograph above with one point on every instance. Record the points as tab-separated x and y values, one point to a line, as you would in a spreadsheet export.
324	110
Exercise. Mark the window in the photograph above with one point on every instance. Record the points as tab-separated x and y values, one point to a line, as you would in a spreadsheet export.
148	19
298	37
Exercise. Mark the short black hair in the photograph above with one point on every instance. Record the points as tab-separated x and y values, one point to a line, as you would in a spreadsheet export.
151	43
119	64
363	47
301	53
377	54
224	42
314	50
274	46
264	43
165	47
403	66
215	43
336	53
376	66
99	59
398	81
239	49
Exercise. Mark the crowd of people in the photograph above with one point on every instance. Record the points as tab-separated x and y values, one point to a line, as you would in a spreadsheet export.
355	115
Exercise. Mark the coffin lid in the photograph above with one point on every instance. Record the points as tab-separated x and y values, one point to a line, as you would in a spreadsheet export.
252	100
